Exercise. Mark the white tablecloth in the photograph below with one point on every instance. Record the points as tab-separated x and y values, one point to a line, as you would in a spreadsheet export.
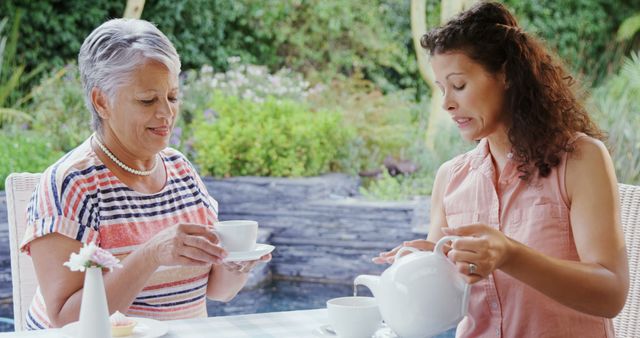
288	324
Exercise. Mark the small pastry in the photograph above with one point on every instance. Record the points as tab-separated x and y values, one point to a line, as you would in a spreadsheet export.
121	325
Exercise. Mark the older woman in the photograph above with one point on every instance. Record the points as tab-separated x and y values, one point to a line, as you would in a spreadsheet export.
536	201
126	191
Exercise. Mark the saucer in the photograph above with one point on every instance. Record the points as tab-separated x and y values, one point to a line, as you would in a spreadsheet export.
325	331
146	328
258	251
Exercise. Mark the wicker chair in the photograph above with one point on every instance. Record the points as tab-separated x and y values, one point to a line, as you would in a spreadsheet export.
19	188
627	323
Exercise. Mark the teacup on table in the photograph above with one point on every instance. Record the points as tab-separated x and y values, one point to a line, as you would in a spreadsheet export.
354	317
236	236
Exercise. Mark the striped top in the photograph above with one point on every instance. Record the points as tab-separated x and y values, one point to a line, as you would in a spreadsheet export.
80	198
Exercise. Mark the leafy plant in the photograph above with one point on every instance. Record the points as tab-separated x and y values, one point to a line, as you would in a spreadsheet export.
11	75
404	187
394	188
250	82
616	104
311	36
580	31
391	124
247	81
629	27
316	37
54	31
58	110
272	138
384	123
24	151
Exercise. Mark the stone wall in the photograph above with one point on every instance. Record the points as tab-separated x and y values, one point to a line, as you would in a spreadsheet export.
321	229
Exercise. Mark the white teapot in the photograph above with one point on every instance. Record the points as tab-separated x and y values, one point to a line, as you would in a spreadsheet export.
421	294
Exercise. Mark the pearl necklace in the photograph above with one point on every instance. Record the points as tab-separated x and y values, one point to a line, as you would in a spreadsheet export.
124	166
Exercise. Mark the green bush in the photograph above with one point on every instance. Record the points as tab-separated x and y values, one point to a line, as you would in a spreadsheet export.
12	75
617	107
247	81
340	36
404	187
314	36
23	151
581	31
200	29
58	110
317	37
395	188
273	138
251	82
51	32
54	31
386	125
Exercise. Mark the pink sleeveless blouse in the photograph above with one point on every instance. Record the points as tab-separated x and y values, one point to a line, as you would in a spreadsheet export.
535	214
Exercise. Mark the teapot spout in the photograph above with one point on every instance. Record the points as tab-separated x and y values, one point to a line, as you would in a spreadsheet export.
369	281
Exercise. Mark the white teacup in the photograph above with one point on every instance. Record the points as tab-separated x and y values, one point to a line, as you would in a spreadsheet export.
237	236
354	317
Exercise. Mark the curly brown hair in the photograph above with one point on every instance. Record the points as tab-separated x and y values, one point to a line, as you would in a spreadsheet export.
545	112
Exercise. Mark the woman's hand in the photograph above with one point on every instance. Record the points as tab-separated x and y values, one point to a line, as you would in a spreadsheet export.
389	256
479	252
185	244
225	283
246	266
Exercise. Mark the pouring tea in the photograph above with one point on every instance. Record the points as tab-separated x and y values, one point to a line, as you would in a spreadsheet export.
421	294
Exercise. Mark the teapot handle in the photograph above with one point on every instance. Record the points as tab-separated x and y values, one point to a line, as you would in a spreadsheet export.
403	250
442	242
467	287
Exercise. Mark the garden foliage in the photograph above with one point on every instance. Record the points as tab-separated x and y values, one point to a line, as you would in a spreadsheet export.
58	111
272	138
25	151
580	31
616	105
295	87
312	36
315	37
12	73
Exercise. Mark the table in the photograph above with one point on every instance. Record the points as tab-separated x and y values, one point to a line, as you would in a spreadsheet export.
286	324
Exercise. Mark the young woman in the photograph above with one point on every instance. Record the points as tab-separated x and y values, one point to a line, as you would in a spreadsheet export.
536	201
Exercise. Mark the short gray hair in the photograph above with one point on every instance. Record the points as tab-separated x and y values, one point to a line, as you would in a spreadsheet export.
114	50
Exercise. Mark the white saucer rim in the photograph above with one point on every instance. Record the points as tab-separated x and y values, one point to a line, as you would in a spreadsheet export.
257	247
153	324
320	331
258	251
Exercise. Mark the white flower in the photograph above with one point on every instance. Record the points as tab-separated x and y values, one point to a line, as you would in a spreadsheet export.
206	69
91	255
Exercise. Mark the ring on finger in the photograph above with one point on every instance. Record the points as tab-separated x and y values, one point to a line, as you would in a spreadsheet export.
472	268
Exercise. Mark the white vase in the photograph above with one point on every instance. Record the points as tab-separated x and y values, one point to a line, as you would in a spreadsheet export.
94	311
